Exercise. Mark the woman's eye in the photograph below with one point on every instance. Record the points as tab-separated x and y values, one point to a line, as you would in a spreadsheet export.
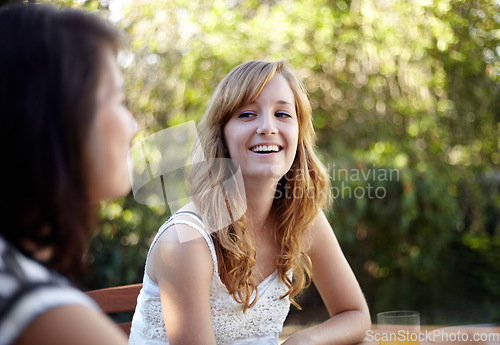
246	115
282	114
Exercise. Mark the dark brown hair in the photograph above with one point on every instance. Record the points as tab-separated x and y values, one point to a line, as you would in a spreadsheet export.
50	61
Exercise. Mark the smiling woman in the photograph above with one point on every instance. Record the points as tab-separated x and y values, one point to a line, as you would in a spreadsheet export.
236	283
262	135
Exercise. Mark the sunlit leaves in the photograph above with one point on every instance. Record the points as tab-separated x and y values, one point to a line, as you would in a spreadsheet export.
411	85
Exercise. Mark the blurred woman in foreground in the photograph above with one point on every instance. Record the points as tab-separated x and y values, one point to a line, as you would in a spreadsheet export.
65	133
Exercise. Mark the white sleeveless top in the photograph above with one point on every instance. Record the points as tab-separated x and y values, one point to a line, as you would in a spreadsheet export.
260	325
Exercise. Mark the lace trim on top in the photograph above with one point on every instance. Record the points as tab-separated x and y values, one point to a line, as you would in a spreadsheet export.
265	318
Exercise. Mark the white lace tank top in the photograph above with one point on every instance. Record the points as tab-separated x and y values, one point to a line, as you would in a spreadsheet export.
260	325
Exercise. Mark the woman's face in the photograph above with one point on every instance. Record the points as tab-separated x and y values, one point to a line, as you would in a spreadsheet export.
262	136
110	136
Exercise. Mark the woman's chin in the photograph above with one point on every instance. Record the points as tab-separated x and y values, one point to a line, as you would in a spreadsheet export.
111	191
266	174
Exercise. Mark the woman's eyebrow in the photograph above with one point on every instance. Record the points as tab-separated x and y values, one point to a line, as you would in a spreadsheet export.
284	102
281	101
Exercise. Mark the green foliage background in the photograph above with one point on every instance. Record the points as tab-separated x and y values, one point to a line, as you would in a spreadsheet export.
394	84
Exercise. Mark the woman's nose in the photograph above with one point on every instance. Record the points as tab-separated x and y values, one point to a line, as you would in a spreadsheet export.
267	124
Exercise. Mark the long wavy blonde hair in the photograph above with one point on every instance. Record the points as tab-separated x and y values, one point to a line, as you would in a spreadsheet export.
215	199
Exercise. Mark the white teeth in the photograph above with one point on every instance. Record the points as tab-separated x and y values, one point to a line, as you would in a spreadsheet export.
265	148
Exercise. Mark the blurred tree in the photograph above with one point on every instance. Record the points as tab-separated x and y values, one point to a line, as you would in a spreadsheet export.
411	86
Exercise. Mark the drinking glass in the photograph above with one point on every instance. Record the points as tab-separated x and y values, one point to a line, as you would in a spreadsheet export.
399	327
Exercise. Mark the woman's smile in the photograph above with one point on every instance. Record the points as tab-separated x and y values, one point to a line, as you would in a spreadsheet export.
266	149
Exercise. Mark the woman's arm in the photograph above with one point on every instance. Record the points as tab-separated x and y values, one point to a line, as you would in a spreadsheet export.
339	289
183	271
72	324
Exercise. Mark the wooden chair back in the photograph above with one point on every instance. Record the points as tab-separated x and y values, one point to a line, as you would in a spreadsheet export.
117	299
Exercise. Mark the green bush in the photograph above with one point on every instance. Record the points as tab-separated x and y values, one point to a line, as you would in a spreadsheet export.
412	250
411	86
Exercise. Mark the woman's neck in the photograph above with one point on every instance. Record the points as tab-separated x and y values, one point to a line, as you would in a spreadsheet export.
260	197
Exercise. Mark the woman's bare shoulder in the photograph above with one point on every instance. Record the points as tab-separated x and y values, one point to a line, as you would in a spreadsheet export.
182	245
72	324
